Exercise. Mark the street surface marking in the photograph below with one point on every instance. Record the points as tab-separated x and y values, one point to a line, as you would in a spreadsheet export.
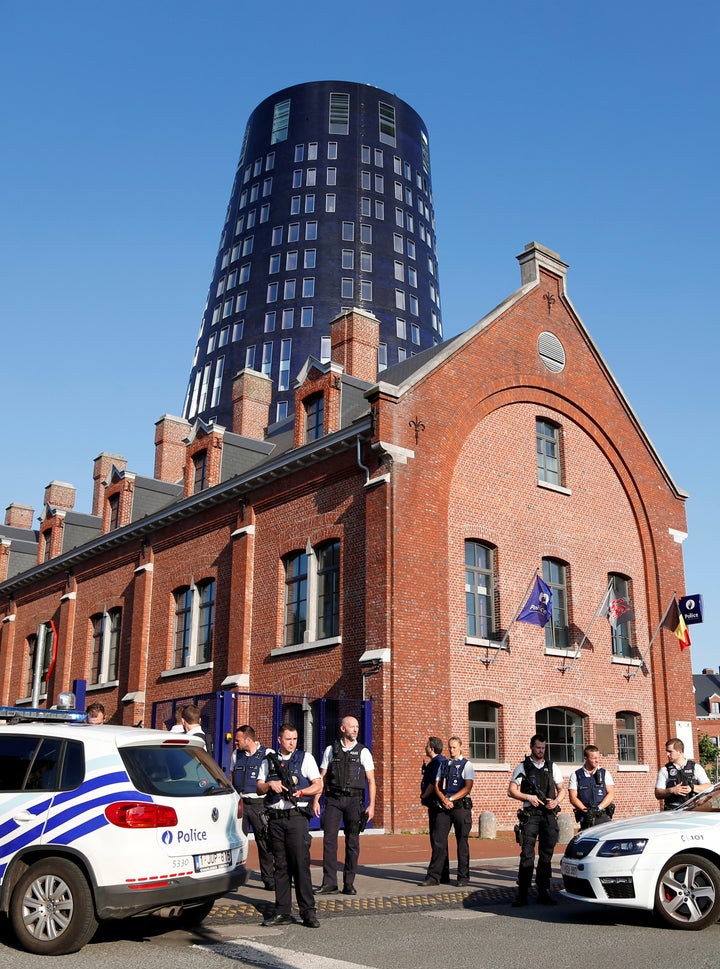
460	914
271	957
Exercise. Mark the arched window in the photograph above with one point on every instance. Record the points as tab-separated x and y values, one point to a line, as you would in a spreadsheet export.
563	729
557	631
479	590
626	725
622	633
194	623
483	731
105	646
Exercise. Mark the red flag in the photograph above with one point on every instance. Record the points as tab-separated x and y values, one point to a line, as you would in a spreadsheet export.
54	634
675	622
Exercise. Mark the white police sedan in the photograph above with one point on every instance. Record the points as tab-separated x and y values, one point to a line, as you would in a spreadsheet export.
668	861
104	822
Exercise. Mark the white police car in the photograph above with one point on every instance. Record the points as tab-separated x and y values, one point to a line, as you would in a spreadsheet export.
668	861
103	822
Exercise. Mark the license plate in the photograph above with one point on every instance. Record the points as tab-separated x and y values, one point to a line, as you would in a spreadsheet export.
215	859
568	868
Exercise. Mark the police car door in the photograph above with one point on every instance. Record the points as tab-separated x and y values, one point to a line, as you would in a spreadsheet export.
29	767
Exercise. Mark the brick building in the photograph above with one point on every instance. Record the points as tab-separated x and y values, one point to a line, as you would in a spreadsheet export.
378	543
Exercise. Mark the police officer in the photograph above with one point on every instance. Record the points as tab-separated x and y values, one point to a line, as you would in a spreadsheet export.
289	780
454	781
345	767
537	782
679	779
434	757
244	768
591	790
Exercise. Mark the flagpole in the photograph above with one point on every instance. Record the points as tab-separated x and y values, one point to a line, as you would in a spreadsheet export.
488	662
564	669
630	676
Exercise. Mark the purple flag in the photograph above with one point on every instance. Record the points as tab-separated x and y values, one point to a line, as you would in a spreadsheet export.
538	609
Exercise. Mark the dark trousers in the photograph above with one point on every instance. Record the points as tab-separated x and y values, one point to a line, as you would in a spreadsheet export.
290	842
252	810
542	828
460	821
346	810
433	812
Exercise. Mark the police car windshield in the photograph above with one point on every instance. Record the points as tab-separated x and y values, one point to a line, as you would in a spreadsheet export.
707	801
174	771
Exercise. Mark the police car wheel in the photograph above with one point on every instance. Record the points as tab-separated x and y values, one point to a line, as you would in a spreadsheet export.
687	895
51	910
195	914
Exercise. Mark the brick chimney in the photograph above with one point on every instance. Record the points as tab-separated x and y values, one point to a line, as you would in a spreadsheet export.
354	342
102	467
251	395
59	494
19	516
170	448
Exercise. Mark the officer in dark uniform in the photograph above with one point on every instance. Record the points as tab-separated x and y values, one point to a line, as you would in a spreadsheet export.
244	769
591	790
289	780
679	779
346	767
538	784
454	781
433	759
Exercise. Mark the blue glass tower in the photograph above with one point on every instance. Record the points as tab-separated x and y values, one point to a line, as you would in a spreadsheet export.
331	208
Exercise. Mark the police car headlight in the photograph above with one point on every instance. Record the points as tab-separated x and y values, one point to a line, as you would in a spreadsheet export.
618	847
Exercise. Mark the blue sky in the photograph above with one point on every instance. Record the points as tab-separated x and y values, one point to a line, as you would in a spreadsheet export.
590	128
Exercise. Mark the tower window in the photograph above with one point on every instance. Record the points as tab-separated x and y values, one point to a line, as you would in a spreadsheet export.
281	122
387	123
339	114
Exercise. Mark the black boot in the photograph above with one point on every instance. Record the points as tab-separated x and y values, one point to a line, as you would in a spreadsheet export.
524	880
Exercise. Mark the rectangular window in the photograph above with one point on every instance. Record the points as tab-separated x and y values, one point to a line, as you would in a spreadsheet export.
238	330
267	187
281	121
296	577
412	276
311	231
217	382
299	153
387	123
365	234
411	249
365	155
288	318
397	165
254	192
365	207
224	336
272	293
270	321
295	205
402	354
314	416
366	263
399	271
309	203
339	122
311	176
348	259
289	289
348	231
414	305
293	232
399	299
277	236
400	328
281	410
365	289
309	258
398	242
250	358
269	161
378	157
379	183
332	150
297	178
325	348
250	219
291	260
308	287
331	176
312	151
379	209
346	288
382	357
415	333
105	646
548	451
274	266
306	316
227	308
284	370
266	358
328	590
330	202
627	738
248	246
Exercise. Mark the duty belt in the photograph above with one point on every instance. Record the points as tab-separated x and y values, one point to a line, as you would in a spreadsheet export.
283	812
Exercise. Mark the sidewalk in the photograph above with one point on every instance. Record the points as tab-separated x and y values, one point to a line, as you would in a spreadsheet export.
392	867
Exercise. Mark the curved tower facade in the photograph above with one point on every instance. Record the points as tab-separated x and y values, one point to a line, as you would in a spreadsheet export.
331	208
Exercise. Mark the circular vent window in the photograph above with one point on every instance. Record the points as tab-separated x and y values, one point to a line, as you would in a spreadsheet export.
551	352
